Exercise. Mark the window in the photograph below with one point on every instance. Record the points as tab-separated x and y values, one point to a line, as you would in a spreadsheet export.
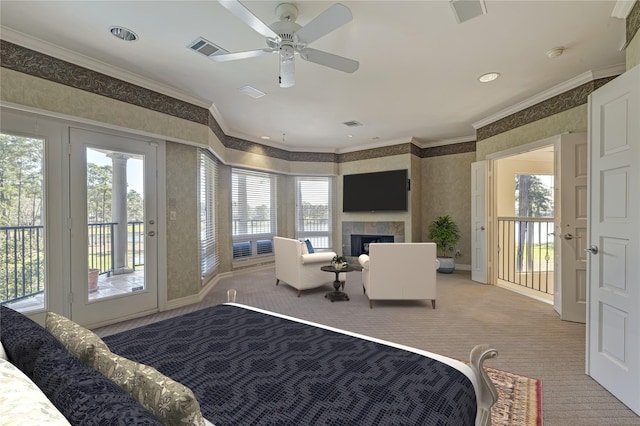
208	229
313	211
22	246
253	197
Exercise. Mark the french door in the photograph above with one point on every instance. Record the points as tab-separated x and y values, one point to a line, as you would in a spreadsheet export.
613	270
113	226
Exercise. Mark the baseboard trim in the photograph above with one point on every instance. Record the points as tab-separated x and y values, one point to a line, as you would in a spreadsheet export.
463	267
197	298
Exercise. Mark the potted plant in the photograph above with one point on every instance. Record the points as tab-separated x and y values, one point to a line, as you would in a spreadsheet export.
445	233
339	262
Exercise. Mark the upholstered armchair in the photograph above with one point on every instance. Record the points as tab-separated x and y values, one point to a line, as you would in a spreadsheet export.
400	271
299	268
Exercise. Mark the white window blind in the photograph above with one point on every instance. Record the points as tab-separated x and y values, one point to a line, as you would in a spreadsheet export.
313	211
209	258
253	196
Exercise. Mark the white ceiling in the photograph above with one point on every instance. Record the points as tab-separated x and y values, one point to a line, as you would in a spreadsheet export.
418	66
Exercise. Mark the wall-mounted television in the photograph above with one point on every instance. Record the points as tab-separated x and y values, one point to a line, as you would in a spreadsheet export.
376	192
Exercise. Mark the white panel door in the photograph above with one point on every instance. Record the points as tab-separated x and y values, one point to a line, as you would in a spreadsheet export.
613	267
478	222
573	226
114	248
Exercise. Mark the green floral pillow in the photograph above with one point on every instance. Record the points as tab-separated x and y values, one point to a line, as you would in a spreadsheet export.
78	340
170	401
120	370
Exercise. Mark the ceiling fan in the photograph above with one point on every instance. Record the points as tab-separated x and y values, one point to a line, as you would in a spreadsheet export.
287	38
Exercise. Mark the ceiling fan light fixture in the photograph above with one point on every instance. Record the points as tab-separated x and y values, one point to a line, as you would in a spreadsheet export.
488	77
123	33
287	68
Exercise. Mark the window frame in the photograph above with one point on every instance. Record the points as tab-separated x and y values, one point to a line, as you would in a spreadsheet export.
251	245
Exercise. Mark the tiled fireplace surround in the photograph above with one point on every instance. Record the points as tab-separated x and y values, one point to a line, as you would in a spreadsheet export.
396	229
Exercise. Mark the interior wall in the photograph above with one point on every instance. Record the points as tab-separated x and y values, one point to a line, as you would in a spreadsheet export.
633	48
183	258
394	162
569	121
446	190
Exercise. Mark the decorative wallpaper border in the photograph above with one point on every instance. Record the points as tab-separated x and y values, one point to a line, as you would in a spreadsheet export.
37	64
562	102
633	21
458	148
47	67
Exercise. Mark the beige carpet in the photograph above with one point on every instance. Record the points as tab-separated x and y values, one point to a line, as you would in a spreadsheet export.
528	335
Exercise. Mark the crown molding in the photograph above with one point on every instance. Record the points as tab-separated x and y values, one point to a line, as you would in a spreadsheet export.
75	58
558	89
374	145
623	8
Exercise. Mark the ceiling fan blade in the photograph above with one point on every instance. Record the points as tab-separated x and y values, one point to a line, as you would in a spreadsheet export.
329	20
240	55
329	60
248	18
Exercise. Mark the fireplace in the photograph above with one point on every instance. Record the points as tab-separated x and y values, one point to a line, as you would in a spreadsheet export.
360	243
391	232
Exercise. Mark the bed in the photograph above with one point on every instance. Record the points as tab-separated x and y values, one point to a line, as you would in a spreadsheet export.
250	366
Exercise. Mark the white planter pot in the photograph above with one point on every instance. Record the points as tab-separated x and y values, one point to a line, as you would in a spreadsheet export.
447	265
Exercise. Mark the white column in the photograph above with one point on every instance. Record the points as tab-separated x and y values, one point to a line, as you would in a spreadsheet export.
119	212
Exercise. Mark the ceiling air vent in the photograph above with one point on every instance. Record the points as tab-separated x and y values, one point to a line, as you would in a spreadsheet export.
352	123
206	48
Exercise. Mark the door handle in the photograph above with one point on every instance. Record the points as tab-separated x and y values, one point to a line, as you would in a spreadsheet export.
151	233
568	236
593	249
482	228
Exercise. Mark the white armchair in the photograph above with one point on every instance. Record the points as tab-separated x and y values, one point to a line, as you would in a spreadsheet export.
400	271
300	269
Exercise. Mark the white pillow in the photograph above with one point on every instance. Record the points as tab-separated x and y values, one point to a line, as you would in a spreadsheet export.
22	402
304	248
3	354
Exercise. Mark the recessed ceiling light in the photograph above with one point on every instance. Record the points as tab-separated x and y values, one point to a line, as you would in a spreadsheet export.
490	76
265	137
349	136
123	33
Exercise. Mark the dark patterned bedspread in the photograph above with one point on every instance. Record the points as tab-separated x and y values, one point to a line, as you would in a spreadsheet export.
250	368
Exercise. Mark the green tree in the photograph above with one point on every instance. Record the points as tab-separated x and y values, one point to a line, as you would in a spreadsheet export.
99	193
135	206
21	180
533	197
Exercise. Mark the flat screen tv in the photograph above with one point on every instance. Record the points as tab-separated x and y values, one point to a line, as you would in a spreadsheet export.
375	192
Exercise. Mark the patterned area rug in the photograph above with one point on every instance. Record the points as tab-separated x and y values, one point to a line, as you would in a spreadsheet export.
519	399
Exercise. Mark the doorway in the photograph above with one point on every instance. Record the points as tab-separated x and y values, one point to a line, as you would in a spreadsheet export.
113	199
524	207
541	253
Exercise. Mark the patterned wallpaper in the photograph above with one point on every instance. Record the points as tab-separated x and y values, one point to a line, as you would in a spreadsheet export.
554	105
633	22
43	66
49	68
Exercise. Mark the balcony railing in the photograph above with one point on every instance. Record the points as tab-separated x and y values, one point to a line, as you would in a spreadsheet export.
525	252
22	256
